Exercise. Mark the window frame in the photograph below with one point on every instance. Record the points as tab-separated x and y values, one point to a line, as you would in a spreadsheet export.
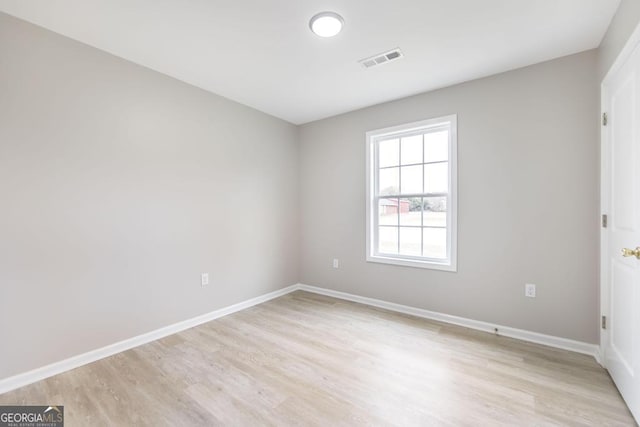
419	127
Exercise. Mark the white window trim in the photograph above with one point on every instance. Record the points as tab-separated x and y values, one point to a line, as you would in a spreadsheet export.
450	264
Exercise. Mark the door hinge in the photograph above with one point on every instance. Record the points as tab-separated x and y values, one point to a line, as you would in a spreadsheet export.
604	220
604	322
605	119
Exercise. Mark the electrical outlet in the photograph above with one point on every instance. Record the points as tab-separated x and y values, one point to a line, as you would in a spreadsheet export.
336	263
530	290
204	279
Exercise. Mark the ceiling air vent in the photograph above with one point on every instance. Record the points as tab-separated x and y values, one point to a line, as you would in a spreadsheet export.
381	58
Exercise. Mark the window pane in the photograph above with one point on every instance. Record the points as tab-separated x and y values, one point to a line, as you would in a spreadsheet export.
389	181
410	241
435	212
436	178
388	240
410	211
411	188
436	146
434	243
411	179
411	150
389	153
388	212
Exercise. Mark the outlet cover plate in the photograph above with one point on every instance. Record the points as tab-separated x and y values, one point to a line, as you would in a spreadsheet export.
530	290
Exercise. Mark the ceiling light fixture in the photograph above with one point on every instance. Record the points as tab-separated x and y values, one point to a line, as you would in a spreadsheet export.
326	24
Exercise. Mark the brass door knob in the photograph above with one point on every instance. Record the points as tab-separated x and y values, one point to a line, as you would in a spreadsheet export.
631	252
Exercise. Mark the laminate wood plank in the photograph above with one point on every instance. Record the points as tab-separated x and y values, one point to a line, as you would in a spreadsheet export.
311	360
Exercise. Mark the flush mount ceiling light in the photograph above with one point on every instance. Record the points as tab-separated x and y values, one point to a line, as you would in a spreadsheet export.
326	24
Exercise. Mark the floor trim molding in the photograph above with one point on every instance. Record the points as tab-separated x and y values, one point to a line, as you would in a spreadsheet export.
38	374
506	331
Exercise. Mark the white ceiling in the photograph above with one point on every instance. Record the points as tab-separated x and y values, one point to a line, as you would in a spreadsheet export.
262	54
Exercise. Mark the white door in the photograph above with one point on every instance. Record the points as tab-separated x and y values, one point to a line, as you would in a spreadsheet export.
621	203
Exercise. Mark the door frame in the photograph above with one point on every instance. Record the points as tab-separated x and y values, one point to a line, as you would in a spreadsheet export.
605	181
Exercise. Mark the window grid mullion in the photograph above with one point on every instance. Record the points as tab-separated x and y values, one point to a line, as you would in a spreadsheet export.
415	226
423	196
399	188
422	203
376	189
412	195
415	164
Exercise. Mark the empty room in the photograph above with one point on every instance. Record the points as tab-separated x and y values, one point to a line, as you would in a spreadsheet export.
311	213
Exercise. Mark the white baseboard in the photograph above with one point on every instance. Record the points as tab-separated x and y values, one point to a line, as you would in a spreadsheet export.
39	374
55	368
534	337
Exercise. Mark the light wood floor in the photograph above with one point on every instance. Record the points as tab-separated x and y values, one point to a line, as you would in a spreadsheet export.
305	359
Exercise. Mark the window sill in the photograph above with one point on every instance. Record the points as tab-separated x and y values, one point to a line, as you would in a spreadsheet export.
430	265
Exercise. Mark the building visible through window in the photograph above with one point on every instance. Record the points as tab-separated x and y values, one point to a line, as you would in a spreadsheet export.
411	206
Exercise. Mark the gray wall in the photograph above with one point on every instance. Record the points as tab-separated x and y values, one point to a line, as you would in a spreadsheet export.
119	186
622	25
528	201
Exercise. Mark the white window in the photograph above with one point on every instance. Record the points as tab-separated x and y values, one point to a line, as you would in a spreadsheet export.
411	194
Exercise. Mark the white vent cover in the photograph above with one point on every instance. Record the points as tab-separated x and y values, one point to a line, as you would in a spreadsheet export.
382	58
